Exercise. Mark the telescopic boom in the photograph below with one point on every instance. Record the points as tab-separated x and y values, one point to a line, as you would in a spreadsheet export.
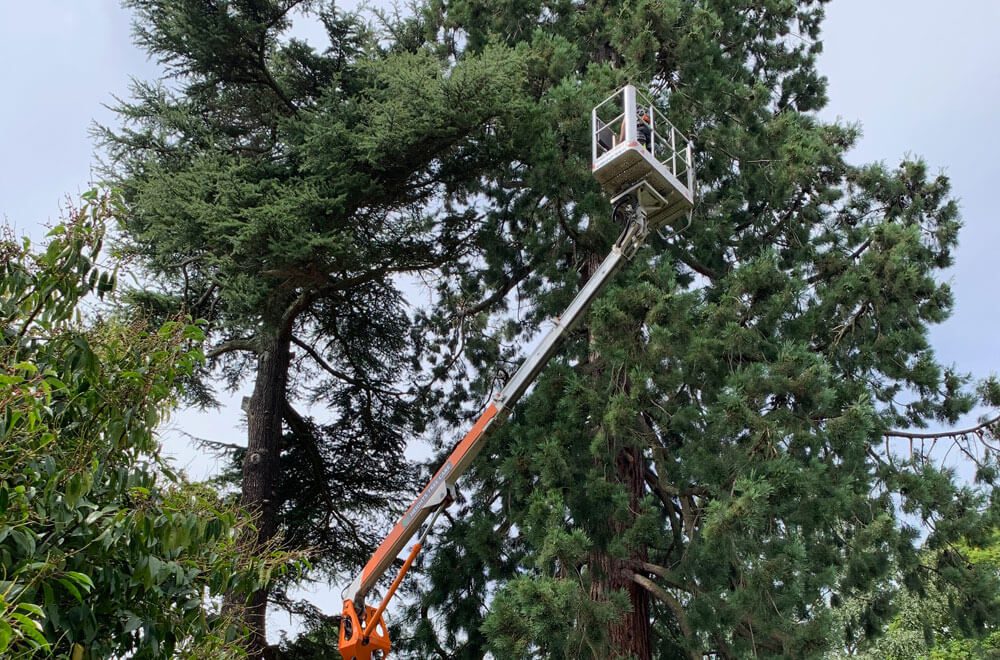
648	195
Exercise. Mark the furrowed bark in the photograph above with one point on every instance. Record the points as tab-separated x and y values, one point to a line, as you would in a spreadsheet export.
630	635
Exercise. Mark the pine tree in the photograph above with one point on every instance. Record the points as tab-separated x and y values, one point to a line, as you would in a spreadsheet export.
279	193
701	470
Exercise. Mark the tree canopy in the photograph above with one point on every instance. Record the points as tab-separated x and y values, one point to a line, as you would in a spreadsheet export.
702	470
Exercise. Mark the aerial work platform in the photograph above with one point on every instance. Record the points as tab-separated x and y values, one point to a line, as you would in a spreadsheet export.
645	165
636	151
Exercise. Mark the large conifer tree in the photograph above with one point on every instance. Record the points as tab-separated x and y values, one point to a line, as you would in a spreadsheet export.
278	193
701	469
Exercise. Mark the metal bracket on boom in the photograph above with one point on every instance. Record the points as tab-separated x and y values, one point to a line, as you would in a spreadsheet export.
636	229
640	208
367	637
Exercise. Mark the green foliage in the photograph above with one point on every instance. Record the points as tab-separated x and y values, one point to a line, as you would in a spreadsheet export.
701	470
925	624
103	550
317	642
550	618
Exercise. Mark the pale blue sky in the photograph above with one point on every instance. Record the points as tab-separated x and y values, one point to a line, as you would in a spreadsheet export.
922	77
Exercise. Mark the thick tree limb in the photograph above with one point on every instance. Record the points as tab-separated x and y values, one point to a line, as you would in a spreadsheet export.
510	282
231	346
675	607
336	373
661	572
312	294
270	82
299	305
305	431
853	257
212	288
696	265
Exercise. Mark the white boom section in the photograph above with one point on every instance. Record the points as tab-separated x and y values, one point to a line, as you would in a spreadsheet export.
443	482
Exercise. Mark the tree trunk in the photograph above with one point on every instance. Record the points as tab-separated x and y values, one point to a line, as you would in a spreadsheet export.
260	469
630	635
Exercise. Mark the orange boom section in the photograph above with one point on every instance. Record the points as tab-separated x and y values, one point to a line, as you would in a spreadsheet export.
367	639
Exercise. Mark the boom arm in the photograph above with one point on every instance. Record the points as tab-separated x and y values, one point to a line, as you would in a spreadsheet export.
360	638
656	181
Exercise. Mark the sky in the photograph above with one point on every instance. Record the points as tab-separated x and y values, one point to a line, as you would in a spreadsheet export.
923	80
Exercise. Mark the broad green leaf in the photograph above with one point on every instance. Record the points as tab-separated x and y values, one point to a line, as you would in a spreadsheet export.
80	578
71	588
31	629
31	608
133	623
6	635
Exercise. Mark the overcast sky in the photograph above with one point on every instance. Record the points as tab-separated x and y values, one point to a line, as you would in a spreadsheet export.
922	77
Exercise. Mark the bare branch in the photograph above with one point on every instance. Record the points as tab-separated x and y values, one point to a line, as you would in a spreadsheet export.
212	288
215	445
989	424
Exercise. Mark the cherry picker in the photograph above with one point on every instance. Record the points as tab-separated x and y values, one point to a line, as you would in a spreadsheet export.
645	165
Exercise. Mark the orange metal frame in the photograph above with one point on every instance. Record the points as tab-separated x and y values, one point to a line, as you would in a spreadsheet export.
361	639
